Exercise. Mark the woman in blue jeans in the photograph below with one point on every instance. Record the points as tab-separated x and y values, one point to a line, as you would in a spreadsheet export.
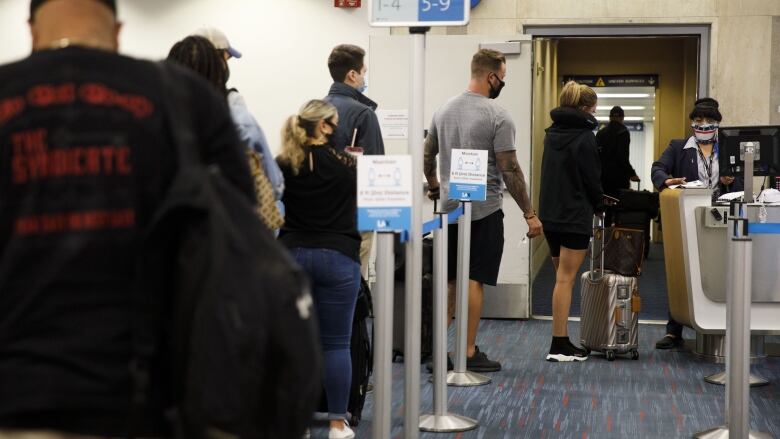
320	230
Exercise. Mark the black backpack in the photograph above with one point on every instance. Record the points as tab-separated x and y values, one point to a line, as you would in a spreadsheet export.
229	302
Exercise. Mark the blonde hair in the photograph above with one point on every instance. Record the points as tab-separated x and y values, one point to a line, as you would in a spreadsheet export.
577	95
300	128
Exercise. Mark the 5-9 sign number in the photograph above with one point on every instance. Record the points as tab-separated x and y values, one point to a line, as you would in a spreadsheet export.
443	5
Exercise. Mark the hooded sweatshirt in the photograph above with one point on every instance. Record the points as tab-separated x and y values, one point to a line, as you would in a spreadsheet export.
571	173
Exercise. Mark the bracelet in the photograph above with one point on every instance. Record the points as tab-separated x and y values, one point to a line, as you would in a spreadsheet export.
533	214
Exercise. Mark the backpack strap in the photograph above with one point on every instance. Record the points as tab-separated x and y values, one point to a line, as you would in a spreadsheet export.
149	297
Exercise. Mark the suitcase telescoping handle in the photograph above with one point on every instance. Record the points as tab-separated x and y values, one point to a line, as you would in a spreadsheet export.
638	185
598	233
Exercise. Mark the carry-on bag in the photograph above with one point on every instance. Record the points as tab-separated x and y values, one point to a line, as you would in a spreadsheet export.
610	305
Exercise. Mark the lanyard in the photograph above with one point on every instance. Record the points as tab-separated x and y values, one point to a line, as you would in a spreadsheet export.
707	167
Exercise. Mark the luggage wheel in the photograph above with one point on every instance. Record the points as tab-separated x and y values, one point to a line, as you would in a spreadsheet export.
610	355
634	354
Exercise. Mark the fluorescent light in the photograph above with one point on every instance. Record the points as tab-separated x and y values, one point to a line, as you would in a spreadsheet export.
623	95
626	119
625	107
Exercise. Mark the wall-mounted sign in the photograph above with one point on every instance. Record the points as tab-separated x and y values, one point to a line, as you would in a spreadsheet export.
614	80
412	13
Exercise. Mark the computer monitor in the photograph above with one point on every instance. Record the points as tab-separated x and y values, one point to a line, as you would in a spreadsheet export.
766	142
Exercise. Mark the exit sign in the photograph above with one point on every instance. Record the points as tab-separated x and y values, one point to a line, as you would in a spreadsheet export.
346	3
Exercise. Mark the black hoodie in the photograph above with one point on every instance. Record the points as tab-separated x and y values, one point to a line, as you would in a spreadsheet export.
571	173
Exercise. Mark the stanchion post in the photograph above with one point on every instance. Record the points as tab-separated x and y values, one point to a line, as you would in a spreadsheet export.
413	292
441	421
383	336
460	376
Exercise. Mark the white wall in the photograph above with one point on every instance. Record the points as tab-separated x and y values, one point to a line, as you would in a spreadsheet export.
285	43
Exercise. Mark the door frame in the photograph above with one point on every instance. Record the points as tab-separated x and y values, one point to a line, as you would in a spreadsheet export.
701	30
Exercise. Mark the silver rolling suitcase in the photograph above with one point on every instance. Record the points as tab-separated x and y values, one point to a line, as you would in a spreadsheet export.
610	305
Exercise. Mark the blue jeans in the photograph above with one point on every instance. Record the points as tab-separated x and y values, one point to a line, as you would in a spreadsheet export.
335	282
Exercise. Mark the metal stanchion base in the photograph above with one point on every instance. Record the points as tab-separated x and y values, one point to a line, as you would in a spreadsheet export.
722	432
466	379
712	348
720	379
448	423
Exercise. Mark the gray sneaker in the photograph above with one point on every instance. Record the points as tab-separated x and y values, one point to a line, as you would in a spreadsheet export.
479	362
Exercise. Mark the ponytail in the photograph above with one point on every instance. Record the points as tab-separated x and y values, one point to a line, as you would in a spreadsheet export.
298	130
293	142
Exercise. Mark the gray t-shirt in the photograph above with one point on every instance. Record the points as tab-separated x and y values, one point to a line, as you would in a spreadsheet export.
472	121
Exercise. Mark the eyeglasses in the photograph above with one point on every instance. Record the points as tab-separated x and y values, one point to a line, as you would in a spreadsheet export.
332	125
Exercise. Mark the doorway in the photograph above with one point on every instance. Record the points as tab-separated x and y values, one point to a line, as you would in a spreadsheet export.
657	113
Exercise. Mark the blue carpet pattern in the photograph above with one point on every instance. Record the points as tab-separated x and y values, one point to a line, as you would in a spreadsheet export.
652	288
661	395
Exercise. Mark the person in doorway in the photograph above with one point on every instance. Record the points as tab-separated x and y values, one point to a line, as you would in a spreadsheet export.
473	120
570	195
613	143
686	160
321	232
249	130
347	67
68	301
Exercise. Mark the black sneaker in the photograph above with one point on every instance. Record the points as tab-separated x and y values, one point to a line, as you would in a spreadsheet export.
565	352
669	342
479	362
583	351
450	365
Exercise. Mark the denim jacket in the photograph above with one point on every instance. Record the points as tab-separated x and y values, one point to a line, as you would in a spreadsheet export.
252	135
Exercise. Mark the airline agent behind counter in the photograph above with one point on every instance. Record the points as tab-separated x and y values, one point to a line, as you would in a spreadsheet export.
688	160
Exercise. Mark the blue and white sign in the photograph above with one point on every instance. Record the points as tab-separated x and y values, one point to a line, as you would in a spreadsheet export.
468	175
385	193
411	13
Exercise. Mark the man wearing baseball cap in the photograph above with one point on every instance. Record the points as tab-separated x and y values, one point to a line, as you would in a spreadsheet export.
219	40
87	158
249	130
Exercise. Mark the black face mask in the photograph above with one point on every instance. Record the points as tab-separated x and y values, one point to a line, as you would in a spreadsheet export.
495	91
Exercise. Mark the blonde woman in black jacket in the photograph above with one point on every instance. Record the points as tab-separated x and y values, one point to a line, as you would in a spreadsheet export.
570	194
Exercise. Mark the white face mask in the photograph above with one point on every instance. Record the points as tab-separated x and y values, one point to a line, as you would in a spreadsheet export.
704	132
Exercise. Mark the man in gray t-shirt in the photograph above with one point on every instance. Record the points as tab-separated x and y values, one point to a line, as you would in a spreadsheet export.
473	120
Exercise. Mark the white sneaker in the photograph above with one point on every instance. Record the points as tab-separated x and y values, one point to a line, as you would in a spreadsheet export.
345	433
306	434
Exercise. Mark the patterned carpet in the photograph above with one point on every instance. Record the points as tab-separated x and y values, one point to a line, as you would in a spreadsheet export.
662	395
652	288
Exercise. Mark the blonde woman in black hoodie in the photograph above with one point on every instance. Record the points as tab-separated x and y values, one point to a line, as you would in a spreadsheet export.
570	194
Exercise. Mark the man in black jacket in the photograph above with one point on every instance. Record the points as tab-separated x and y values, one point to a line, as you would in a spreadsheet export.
613	141
87	160
356	112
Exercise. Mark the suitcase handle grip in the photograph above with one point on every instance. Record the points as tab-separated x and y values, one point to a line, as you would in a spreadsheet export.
598	233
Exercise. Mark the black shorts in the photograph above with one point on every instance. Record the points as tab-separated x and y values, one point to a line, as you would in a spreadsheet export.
573	241
487	247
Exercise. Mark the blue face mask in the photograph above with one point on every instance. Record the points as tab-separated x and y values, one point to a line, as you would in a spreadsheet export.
364	87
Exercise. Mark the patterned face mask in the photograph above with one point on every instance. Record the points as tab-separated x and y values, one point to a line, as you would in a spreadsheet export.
704	132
